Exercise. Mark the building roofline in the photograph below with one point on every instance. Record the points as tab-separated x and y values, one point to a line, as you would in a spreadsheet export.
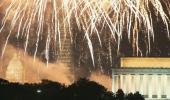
148	71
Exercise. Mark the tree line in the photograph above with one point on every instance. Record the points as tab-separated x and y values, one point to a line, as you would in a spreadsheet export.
83	89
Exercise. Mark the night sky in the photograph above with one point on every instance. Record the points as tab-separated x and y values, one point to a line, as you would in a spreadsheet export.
82	62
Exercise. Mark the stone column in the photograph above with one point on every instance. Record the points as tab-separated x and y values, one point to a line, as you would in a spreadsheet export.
163	84
137	82
168	86
113	83
129	88
133	83
154	84
117	83
150	85
121	82
141	84
125	83
145	84
159	86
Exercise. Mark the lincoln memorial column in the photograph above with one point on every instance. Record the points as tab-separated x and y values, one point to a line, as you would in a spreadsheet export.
117	83
141	90
129	83
138	82
150	82
145	84
159	86
168	86
113	83
121	82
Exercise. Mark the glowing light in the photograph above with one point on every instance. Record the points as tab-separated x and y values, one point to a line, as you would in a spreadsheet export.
39	91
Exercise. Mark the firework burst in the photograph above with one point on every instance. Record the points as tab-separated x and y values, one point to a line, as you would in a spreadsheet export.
90	16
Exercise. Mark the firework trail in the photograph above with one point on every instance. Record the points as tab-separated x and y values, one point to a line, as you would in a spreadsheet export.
91	16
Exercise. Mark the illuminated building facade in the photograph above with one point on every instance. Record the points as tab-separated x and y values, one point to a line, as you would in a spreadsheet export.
149	76
15	70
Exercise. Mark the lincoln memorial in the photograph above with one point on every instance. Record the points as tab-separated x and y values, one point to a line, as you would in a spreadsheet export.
149	76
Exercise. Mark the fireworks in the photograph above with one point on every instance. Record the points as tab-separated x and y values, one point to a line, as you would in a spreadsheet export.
90	16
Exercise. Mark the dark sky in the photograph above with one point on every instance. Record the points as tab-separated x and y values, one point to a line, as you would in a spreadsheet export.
160	47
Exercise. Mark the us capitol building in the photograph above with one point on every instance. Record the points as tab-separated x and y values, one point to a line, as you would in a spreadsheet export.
149	76
14	72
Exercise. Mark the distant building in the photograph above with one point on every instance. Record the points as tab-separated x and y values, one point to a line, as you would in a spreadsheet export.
149	76
14	72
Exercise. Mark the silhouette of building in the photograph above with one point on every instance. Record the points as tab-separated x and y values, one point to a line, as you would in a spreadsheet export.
149	76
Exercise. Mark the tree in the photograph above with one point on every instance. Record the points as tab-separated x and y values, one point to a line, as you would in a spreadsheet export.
120	94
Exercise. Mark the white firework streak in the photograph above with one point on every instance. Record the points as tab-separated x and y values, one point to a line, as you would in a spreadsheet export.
88	14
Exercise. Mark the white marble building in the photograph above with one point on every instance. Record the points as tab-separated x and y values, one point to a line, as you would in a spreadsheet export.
152	81
14	72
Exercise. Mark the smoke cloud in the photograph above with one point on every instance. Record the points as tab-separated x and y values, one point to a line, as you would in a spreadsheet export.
102	79
35	70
